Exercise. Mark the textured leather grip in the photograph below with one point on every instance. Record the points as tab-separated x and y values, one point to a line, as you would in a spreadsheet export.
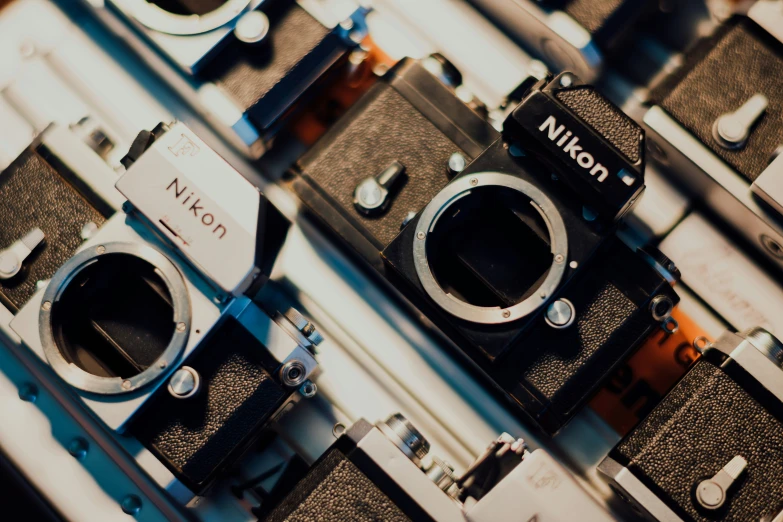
704	422
34	194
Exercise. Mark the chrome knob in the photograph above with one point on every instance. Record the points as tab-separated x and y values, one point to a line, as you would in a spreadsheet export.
766	343
405	436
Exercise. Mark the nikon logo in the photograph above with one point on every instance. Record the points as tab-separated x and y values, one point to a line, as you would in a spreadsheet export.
569	143
197	209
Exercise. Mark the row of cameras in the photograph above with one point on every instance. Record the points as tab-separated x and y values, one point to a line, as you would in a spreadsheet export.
220	287
150	226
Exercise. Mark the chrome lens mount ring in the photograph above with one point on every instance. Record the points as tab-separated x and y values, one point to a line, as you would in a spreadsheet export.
158	19
460	188
77	377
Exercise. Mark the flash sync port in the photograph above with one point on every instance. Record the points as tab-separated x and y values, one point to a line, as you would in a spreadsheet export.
490	248
115	317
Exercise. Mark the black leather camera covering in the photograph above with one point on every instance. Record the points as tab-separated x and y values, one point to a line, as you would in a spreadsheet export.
716	412
561	369
199	437
606	119
335	490
33	193
717	77
346	483
266	79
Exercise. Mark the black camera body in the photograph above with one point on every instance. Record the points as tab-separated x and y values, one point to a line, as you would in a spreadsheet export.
515	258
721	425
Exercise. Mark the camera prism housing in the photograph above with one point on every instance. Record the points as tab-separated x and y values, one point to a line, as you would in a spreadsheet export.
515	259
148	301
711	449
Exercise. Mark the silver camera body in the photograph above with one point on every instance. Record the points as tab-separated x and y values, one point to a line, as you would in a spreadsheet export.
186	40
231	62
192	259
506	483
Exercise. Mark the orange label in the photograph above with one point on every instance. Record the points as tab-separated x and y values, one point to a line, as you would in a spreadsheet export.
641	382
352	79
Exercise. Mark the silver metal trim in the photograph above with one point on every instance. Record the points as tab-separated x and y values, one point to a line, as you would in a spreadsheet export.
298	378
552	34
85	381
769	185
111	452
78	157
405	436
461	188
769	15
756	362
158	19
712	180
636	494
417	485
654	307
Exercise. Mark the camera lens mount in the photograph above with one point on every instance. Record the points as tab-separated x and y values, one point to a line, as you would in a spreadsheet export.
105	341
438	209
155	15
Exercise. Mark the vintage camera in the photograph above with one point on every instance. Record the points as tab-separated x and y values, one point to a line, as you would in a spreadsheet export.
150	322
711	449
717	121
570	35
245	62
364	476
515	258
